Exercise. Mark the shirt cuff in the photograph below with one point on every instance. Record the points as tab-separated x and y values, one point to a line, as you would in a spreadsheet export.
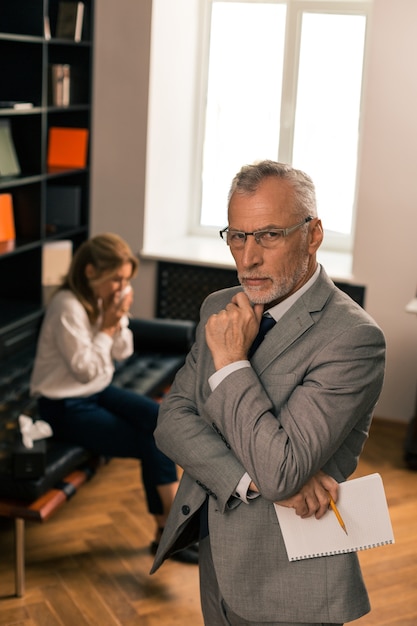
103	339
124	321
216	378
242	490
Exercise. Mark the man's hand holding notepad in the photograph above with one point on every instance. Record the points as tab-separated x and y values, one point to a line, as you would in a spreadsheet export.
363	507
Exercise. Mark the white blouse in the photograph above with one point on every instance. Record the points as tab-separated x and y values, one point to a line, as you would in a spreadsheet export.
74	358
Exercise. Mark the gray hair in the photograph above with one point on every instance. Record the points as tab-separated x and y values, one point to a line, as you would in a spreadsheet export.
248	179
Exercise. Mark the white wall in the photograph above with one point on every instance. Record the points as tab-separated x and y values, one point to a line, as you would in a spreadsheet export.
385	256
385	250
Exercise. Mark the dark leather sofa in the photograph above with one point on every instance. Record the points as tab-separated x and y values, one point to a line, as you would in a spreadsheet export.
160	349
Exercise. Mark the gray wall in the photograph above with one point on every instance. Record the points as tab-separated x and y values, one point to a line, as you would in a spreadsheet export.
120	96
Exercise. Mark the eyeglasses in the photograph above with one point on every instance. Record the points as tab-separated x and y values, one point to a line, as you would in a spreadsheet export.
268	238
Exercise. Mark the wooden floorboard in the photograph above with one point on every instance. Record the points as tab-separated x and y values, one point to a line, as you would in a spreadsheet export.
89	564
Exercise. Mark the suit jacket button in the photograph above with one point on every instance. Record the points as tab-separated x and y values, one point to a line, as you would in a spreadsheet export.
185	509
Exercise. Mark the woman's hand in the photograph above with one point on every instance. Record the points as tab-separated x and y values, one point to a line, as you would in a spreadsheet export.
114	309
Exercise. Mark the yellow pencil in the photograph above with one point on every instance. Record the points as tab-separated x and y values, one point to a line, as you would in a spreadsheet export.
336	512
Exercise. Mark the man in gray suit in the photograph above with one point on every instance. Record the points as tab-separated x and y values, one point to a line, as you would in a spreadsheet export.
285	426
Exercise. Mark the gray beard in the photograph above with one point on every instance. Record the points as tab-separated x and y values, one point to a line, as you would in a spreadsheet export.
278	291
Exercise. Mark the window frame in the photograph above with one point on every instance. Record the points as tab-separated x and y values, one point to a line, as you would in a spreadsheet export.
295	9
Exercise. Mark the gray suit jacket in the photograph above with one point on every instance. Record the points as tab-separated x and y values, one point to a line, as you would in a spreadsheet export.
305	404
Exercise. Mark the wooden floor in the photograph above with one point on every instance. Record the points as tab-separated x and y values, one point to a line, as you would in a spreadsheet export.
89	564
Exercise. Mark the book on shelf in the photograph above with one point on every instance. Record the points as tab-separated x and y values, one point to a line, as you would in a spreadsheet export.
63	207
7	246
56	259
9	163
70	19
60	84
67	147
46	28
7	225
17	105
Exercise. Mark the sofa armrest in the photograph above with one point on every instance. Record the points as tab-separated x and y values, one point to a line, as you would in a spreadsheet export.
162	335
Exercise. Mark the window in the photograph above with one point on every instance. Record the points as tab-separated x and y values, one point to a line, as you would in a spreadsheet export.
232	81
244	90
284	81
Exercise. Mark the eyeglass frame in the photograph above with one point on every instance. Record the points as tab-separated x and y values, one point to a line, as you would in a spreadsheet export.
257	233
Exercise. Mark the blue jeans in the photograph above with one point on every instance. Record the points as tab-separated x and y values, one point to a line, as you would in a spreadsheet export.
115	423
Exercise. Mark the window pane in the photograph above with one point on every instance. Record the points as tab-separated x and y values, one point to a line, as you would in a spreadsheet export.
328	110
243	98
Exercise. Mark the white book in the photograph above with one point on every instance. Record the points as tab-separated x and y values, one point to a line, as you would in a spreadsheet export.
60	84
56	260
363	507
46	27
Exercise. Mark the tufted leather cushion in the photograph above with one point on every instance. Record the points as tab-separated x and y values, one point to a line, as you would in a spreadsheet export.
60	459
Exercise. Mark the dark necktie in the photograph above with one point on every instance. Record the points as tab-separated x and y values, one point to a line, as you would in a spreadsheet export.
267	322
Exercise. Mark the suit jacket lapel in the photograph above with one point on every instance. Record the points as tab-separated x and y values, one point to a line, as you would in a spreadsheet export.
296	321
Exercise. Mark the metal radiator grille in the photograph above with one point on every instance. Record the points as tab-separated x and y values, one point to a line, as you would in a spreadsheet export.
182	288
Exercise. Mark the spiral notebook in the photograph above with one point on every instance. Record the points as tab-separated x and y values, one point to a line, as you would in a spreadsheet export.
363	507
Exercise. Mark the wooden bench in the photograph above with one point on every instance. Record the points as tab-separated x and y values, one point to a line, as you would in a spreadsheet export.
40	510
160	349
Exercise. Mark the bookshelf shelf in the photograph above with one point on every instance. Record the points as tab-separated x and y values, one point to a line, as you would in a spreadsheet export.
20	38
28	52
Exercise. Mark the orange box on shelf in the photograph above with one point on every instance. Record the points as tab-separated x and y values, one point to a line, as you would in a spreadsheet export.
67	147
7	227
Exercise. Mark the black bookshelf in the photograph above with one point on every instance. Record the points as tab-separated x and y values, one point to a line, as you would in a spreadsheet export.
28	48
